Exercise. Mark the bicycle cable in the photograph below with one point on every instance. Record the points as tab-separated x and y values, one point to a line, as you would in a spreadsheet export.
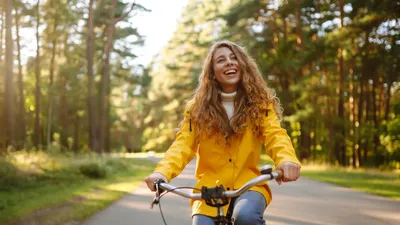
166	192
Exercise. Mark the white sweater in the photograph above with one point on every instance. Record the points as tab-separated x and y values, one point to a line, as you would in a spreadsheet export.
227	102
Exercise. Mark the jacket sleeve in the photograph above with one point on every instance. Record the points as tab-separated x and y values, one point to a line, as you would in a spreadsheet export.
182	150
277	142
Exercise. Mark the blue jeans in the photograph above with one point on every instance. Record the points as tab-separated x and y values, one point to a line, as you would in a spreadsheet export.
248	210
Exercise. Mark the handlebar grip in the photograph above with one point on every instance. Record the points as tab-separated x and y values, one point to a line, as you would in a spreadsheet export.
157	185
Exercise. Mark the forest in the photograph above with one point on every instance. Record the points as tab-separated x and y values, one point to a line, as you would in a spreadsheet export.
334	65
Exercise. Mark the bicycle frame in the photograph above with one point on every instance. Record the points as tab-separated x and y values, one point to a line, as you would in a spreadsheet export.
217	196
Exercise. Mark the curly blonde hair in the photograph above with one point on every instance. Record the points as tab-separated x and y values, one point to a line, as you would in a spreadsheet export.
252	98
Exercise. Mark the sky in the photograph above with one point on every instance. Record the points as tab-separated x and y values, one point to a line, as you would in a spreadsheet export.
157	26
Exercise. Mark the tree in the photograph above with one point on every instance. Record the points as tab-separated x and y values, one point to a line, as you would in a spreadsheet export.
105	78
37	129
52	65
93	140
21	100
340	145
9	78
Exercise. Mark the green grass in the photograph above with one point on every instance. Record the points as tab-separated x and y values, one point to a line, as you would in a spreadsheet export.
378	183
372	181
52	190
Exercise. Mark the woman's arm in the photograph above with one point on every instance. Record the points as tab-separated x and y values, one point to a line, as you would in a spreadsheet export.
181	152
279	147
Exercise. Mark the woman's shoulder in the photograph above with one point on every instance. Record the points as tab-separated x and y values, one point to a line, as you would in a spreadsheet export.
189	106
265	106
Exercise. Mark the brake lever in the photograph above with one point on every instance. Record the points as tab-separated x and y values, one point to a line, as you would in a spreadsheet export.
156	199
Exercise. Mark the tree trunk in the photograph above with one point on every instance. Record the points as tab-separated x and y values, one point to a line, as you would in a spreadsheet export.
51	94
381	99
64	118
275	32
359	119
315	138
93	138
128	140
375	117
304	132
329	113
284	29
390	82
76	133
3	79
63	112
353	136
299	38
105	77
388	93
367	120
107	146
340	141
299	33
1	34
284	81
104	85
9	79
37	91
22	125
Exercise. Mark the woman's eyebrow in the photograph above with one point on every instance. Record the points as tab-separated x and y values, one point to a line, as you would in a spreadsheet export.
221	56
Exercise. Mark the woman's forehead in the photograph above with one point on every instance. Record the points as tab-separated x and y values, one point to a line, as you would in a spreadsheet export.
222	51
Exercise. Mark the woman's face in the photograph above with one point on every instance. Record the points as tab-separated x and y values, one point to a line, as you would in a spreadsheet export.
226	69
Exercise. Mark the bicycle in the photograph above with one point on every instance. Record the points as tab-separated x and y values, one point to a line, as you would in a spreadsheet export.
216	196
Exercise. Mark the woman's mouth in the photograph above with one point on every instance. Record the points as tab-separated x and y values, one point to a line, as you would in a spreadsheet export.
230	73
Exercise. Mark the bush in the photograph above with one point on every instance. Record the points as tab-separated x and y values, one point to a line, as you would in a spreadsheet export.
93	170
8	175
116	164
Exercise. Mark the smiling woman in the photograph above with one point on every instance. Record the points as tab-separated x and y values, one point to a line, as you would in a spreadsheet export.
226	69
232	114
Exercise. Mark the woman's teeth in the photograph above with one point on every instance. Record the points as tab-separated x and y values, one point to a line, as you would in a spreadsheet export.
230	72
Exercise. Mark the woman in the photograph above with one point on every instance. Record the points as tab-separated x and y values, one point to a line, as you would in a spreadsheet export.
231	115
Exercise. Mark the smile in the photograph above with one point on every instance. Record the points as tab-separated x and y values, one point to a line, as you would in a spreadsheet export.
230	72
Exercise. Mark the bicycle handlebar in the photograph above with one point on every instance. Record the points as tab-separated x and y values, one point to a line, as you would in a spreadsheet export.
228	194
216	196
218	192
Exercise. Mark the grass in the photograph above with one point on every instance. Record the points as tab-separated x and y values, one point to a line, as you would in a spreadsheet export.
376	182
373	181
51	189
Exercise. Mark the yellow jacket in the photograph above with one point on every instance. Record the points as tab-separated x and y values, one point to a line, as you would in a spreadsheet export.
233	166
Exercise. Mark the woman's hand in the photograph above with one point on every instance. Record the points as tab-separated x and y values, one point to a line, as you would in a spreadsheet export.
291	171
153	178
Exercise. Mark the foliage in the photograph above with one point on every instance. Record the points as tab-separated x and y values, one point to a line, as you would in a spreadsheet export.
93	170
8	175
54	182
335	68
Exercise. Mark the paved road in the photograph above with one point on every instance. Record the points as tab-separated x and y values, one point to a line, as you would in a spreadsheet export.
304	202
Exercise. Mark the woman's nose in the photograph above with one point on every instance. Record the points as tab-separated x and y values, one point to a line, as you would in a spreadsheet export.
229	61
